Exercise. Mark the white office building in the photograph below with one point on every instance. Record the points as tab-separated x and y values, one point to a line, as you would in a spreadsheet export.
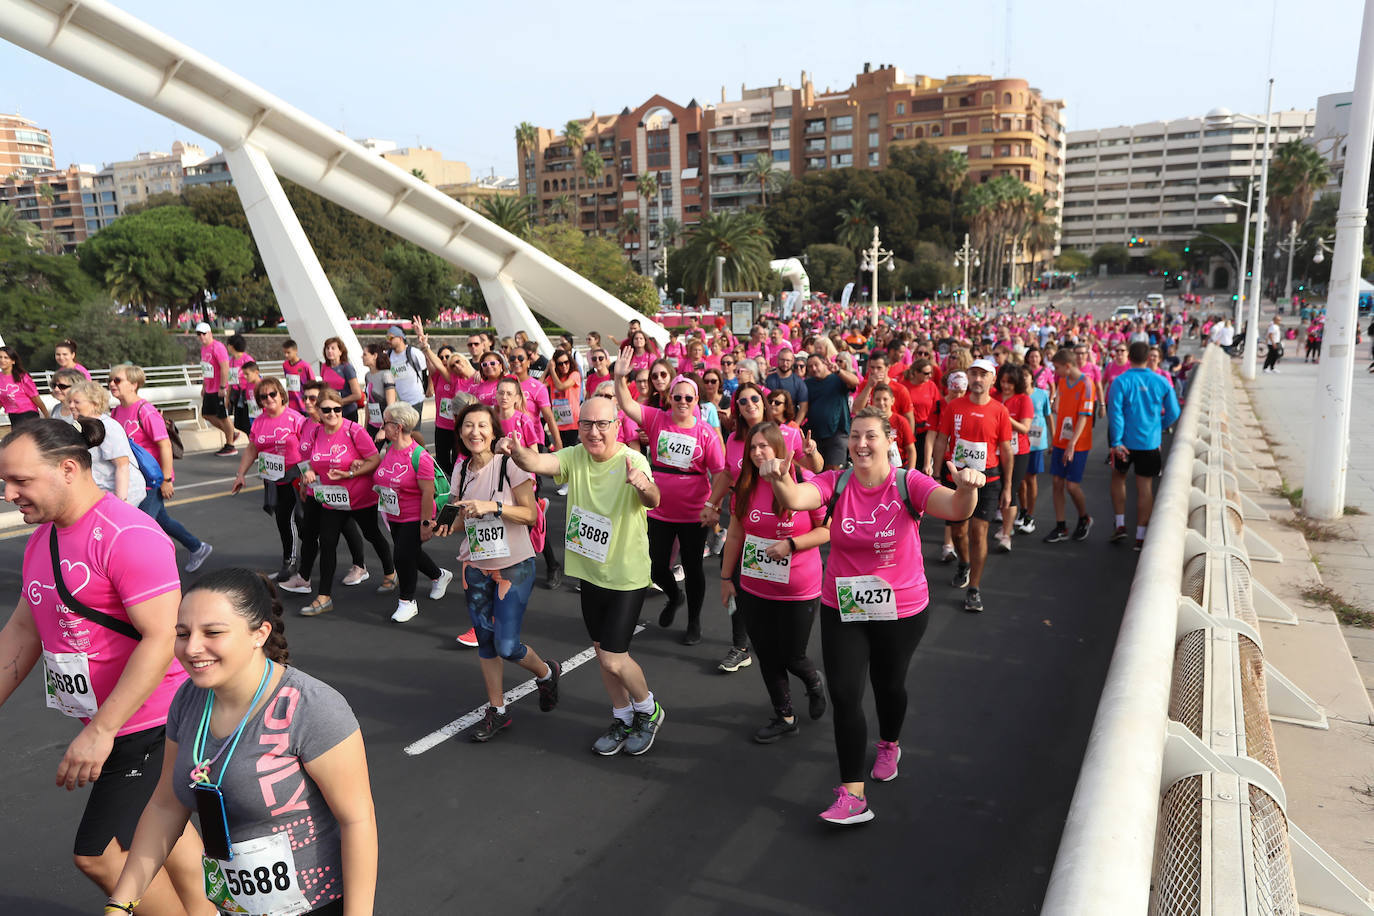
1329	136
1154	182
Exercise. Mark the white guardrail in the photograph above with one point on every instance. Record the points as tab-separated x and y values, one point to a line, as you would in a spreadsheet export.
1179	808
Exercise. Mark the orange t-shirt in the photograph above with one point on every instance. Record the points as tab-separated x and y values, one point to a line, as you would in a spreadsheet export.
1074	400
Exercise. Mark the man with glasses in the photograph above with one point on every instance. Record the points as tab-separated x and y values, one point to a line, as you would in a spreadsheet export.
610	489
787	378
214	371
476	348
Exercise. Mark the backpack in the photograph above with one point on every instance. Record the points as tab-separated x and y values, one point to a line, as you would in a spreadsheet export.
173	434
902	491
539	530
441	488
422	370
149	468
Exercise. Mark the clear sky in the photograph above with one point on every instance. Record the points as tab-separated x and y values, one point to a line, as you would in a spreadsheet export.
458	76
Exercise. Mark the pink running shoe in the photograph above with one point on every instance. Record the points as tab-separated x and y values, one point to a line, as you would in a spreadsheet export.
847	809
885	767
469	638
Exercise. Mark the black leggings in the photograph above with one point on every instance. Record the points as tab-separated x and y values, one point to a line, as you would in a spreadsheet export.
445	448
282	508
331	522
881	649
410	556
611	616
1271	359
691	539
780	631
308	527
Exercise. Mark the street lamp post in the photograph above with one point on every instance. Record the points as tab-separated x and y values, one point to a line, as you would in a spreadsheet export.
966	257
1323	492
1292	250
1223	200
875	257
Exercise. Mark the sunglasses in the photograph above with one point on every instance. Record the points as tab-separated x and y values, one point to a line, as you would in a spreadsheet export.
491	365
561	362
61	387
598	359
751	398
727	362
517	359
331	410
777	403
660	375
472	345
268	396
684	398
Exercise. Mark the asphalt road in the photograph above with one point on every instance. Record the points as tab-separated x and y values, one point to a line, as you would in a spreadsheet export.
707	821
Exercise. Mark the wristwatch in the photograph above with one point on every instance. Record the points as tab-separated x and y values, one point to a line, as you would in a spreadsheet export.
499	508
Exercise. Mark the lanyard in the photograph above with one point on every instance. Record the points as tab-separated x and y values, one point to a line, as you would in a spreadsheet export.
200	773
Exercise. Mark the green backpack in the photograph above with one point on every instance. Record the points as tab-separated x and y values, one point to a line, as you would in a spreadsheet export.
441	489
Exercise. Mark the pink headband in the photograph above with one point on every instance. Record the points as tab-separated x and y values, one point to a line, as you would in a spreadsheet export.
682	378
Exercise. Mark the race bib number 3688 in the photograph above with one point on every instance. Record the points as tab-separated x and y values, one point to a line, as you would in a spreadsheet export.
588	534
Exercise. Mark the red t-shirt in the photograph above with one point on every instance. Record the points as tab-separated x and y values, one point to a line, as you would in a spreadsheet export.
1021	409
976	432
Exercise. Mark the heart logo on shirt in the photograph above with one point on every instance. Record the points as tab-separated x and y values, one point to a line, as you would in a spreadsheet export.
70	569
889	508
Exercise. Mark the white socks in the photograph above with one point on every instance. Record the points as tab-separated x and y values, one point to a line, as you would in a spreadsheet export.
647	706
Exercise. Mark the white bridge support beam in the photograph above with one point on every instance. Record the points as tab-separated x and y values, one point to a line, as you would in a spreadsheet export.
307	301
101	42
508	311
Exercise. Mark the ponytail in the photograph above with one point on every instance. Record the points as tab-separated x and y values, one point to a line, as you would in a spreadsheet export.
254	598
58	441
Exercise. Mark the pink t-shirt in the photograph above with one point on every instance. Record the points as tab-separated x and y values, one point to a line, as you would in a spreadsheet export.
144	425
280	435
211	355
485	391
804	569
301	370
236	379
114	557
395	473
791	437
1113	370
351	443
872	534
486	484
444	389
522	427
536	396
83	370
683	478
20	396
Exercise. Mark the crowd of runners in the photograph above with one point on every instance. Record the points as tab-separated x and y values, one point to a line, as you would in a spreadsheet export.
796	464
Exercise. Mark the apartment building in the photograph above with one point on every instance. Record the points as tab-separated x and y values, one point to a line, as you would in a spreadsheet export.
149	173
658	136
1155	181
56	202
25	148
739	132
1330	133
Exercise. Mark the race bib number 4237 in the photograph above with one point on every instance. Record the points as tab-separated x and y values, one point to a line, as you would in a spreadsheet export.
865	598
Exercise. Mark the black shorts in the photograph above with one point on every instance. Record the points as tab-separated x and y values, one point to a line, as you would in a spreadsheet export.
1148	462
611	616
212	405
121	793
988	497
834	450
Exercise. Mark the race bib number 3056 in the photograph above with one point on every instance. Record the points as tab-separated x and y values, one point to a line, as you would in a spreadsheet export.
865	598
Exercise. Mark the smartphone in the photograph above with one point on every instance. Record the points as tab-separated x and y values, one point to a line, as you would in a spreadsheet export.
214	823
448	516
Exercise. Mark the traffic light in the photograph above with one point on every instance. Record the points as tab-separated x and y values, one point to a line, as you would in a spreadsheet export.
1187	248
1234	297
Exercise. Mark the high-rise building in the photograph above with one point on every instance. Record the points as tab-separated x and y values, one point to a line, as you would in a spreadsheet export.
567	182
25	148
741	131
1145	185
137	179
55	202
1330	133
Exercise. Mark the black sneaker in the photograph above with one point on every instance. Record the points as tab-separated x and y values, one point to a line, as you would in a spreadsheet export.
973	601
736	659
548	690
1028	526
1085	524
555	577
286	572
644	730
816	699
1060	533
693	634
665	616
613	740
960	579
491	723
1118	535
775	730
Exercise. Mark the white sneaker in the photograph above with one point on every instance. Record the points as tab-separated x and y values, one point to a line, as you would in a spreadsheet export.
440	585
356	576
198	557
563	490
405	610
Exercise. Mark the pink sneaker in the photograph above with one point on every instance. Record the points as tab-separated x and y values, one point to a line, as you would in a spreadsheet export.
847	809
469	638
885	767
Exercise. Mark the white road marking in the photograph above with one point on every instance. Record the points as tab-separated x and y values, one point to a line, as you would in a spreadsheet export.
439	736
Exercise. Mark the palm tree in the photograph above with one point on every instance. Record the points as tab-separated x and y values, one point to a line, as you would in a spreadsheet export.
762	170
511	213
12	225
670	230
420	174
592	166
741	237
1296	173
954	172
978	207
526	139
646	185
628	225
564	207
575	132
855	229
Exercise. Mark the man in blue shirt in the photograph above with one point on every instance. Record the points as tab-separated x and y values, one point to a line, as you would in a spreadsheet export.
787	376
1140	405
828	388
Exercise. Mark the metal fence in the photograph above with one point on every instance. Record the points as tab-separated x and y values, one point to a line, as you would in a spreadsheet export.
1179	807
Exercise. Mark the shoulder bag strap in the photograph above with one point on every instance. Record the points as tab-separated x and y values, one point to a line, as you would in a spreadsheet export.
122	627
840	484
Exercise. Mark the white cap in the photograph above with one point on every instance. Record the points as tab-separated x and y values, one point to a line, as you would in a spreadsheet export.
986	365
202	328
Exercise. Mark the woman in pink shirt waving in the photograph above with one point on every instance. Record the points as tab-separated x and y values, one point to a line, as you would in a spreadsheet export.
873	595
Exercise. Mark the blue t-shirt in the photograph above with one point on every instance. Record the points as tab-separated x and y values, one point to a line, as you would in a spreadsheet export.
828	414
1040	400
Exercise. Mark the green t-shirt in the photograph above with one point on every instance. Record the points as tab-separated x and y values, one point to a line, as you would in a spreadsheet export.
599	489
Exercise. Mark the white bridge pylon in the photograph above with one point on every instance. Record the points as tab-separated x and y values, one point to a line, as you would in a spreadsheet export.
106	45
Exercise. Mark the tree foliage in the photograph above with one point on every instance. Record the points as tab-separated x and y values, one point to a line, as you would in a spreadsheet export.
41	296
742	238
106	338
930	271
166	258
830	267
601	261
1073	261
421	283
1116	257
